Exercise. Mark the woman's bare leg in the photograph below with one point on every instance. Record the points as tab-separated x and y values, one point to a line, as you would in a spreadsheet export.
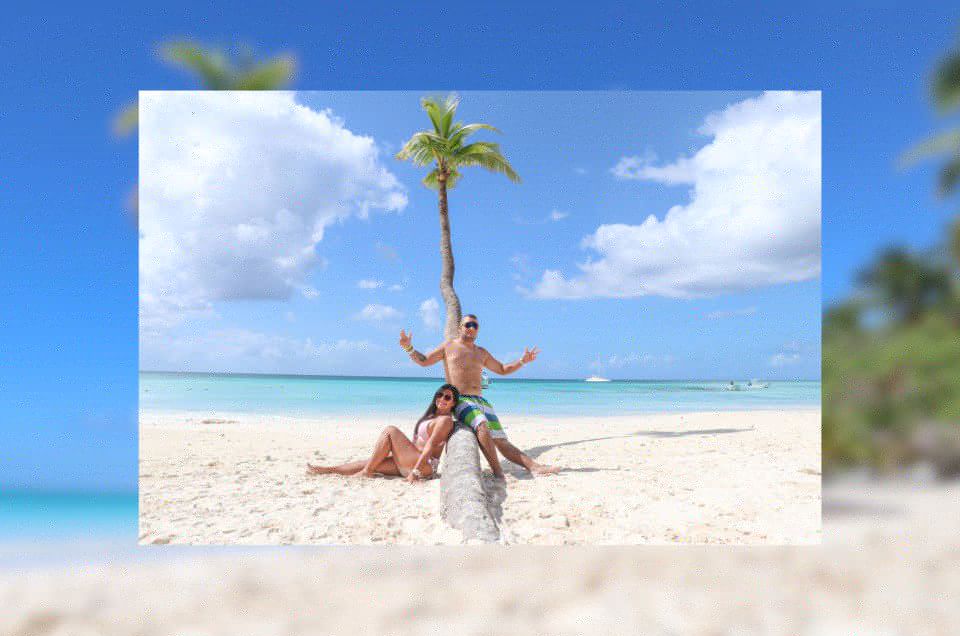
380	452
367	468
393	455
392	443
350	468
388	467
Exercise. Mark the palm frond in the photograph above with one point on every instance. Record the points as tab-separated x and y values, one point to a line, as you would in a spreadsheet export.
944	142
423	148
267	76
432	182
461	132
441	112
127	120
453	178
486	155
946	83
949	177
217	72
212	67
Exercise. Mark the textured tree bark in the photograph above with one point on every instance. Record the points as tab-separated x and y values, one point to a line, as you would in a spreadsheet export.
450	299
464	502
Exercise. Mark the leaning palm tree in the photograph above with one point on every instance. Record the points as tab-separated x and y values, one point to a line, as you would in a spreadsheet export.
444	149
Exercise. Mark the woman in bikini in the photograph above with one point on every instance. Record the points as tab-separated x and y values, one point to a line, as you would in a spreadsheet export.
395	455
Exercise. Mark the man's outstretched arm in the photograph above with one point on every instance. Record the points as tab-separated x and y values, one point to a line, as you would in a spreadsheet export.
433	357
506	369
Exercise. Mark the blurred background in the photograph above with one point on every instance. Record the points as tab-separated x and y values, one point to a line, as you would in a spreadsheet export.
891	354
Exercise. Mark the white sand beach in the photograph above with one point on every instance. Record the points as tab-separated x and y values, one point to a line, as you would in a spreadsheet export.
889	566
698	478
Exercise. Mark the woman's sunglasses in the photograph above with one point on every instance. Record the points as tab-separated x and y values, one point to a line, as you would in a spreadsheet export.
471	325
446	397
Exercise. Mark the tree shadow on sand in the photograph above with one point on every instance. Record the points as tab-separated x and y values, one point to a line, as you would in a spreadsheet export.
495	490
536	451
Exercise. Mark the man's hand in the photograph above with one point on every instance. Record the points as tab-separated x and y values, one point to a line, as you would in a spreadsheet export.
405	339
529	355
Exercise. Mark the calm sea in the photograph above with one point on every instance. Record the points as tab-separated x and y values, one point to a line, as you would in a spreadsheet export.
306	396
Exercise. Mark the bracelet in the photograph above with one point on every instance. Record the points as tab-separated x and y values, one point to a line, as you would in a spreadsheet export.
408	349
416	473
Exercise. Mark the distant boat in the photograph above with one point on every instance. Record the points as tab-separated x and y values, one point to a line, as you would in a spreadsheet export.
484	380
596	378
732	386
757	384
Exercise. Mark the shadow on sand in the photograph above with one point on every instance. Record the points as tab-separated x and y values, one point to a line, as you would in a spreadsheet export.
495	490
536	451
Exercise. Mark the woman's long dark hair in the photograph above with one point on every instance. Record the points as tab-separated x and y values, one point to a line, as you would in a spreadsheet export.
432	409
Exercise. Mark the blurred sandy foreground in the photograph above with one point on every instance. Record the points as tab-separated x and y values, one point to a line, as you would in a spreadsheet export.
694	478
890	565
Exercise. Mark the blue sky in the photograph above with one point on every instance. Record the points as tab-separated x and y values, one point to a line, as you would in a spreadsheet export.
69	253
231	191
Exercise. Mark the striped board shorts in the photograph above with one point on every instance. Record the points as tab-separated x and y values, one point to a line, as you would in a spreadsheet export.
473	411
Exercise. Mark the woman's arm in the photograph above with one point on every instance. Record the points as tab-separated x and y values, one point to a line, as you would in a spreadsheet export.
438	428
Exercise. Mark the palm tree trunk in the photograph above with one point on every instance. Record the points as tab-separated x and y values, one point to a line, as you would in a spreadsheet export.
450	298
465	503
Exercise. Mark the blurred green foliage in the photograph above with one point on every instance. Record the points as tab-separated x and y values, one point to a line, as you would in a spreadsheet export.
891	354
218	71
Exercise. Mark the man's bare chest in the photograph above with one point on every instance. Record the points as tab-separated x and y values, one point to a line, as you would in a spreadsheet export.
464	356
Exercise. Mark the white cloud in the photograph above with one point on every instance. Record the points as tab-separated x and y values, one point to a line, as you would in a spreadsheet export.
553	216
633	167
753	218
789	354
580	170
396	287
378	313
243	350
236	191
430	314
309	292
731	313
369	284
782	359
520	263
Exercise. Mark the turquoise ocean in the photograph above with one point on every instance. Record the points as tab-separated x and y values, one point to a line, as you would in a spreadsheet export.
306	396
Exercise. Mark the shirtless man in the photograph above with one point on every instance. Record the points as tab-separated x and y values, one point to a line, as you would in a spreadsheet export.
464	361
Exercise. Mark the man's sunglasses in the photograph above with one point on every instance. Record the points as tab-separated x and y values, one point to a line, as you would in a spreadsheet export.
471	325
446	397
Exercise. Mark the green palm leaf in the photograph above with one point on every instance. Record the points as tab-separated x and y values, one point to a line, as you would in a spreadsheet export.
937	145
217	72
949	176
946	83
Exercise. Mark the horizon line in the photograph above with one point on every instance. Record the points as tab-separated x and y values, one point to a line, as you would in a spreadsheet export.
414	377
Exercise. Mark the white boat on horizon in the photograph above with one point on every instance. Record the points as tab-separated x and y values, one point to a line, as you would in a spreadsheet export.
757	384
596	378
